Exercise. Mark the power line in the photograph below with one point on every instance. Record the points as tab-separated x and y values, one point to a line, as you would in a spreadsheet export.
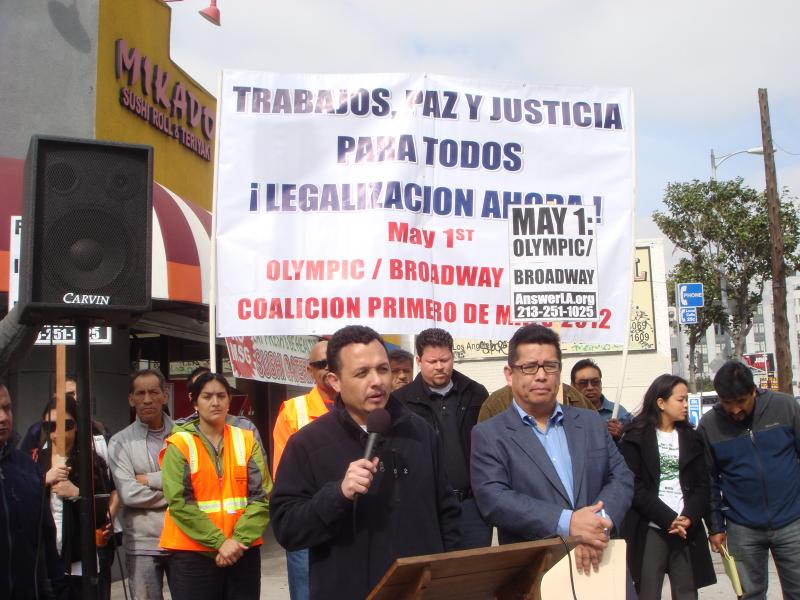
786	151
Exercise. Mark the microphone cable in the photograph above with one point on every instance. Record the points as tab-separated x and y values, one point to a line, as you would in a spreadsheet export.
569	562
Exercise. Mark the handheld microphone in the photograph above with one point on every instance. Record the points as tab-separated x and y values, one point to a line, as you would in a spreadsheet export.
378	423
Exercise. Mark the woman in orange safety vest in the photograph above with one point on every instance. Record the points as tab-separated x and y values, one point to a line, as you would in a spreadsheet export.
216	487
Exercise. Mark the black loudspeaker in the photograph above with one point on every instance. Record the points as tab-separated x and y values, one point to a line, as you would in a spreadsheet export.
86	231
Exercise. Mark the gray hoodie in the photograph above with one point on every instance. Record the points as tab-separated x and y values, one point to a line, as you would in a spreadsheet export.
143	506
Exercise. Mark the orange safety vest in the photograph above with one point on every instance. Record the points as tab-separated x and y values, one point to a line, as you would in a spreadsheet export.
222	500
295	414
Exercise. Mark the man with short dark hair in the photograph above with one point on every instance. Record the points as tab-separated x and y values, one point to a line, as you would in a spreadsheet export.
402	363
29	567
752	440
587	377
541	469
450	402
357	515
133	457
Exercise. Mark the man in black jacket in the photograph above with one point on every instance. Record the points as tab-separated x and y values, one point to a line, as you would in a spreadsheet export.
355	515
29	567
450	402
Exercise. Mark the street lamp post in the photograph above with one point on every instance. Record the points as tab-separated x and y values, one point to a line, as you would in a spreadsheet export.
723	280
715	162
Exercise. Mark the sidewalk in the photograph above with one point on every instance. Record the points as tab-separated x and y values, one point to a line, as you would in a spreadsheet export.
274	585
723	590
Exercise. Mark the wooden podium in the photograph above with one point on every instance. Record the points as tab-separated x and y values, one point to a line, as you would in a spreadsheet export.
510	572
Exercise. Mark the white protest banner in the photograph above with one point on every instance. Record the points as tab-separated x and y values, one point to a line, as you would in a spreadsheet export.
277	358
383	199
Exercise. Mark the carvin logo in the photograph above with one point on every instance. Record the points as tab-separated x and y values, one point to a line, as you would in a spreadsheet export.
73	298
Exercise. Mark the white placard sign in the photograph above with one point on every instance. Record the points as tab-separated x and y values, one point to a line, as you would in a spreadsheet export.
383	199
553	263
13	260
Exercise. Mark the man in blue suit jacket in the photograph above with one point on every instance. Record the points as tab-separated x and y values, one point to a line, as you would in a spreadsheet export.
541	469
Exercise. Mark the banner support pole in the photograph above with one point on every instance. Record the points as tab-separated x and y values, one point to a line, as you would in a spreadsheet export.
212	288
627	321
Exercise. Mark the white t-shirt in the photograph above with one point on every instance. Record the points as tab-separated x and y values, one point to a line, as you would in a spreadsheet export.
669	487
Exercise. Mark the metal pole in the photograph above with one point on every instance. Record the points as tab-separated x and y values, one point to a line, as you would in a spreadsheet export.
780	321
85	462
723	280
713	166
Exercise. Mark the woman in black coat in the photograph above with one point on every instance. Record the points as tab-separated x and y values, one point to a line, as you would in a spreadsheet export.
663	528
63	483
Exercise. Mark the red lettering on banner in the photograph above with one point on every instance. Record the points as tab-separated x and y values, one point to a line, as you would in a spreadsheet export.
296	369
476	313
314	270
458	275
298	308
389	307
268	364
401	232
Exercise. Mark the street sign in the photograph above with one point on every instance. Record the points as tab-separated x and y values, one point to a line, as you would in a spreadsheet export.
687	316
695	410
689	295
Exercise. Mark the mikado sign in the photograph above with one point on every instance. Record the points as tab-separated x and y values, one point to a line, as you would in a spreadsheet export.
384	200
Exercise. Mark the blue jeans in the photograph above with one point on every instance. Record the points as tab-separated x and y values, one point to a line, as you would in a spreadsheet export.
146	576
297	569
750	547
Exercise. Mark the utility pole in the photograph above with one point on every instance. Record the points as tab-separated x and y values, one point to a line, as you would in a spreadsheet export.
781	323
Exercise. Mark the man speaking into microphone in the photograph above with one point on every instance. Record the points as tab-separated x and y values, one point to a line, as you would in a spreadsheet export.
405	505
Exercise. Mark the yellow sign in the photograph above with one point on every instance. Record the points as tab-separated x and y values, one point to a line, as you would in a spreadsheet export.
144	98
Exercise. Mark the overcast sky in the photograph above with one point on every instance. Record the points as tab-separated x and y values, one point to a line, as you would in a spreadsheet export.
694	66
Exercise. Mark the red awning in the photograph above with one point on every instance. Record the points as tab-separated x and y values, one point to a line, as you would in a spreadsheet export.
181	238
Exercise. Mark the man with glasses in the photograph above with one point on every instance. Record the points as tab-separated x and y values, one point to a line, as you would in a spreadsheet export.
541	469
295	414
588	378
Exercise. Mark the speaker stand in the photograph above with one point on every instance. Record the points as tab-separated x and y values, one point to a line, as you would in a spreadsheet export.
86	462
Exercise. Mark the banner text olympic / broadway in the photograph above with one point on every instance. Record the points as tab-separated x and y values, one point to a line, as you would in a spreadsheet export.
398	269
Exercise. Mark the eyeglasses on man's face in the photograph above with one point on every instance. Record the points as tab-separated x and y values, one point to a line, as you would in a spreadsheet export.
532	368
318	364
582	383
